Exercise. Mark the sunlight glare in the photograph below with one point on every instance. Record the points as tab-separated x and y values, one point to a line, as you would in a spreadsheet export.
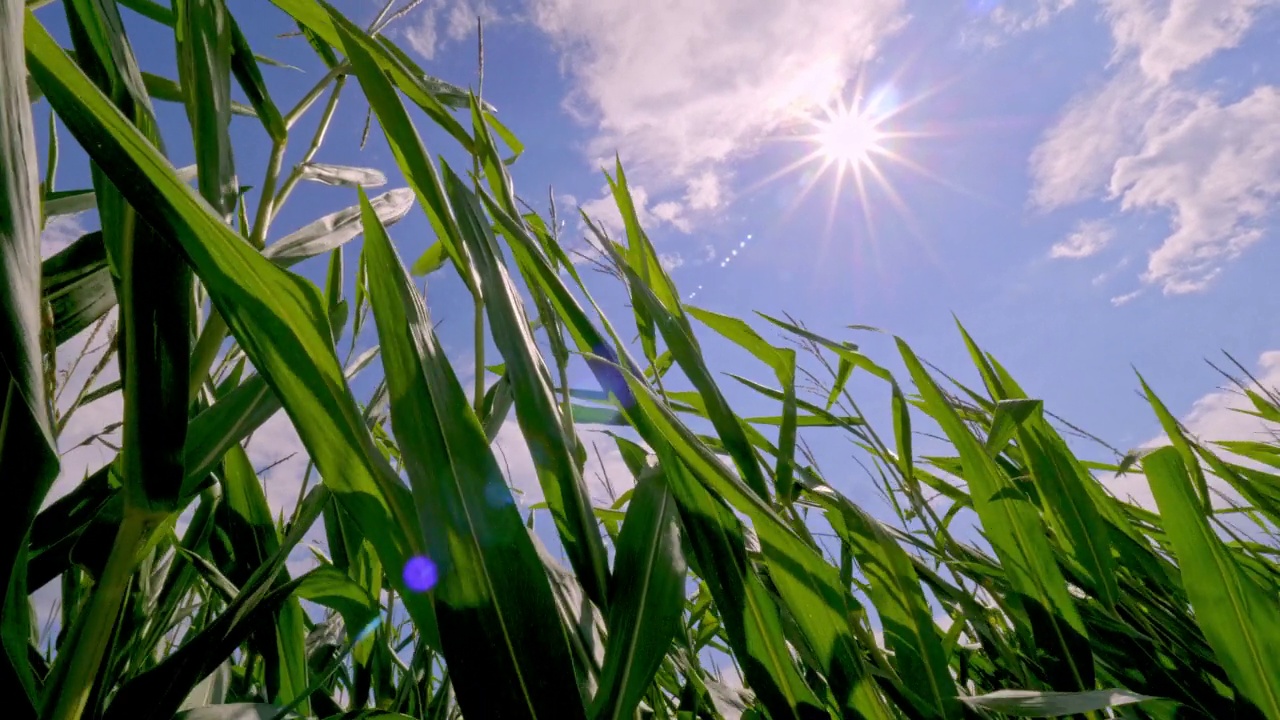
848	137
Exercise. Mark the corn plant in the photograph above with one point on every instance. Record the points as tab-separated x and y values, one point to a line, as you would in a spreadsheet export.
732	580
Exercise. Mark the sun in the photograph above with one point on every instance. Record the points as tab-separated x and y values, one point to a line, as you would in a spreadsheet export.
847	137
851	142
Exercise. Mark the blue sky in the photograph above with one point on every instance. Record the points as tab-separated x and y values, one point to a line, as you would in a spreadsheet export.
1089	185
1148	131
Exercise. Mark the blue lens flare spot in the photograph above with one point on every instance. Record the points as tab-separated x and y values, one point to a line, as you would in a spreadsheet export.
497	494
420	574
610	378
368	629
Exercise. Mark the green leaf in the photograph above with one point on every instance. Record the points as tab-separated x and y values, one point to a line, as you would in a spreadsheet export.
168	90
245	518
1062	482
1017	535
78	287
406	145
158	691
69	202
843	371
783	363
1009	414
28	454
909	629
203	33
279	319
245	66
334	589
716	536
1173	429
647	599
431	260
1240	618
507	652
550	446
809	587
426	92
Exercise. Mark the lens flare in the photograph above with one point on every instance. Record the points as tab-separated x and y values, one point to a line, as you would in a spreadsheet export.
420	574
848	137
368	629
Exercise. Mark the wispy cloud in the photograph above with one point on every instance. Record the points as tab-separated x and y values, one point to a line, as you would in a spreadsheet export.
1089	238
277	453
1168	36
992	27
1150	140
1126	298
1217	172
61	231
435	23
682	87
604	212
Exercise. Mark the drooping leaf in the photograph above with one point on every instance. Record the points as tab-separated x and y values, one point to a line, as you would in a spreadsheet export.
1034	703
335	229
343	175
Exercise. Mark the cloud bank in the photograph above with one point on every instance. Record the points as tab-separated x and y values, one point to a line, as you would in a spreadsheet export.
1149	140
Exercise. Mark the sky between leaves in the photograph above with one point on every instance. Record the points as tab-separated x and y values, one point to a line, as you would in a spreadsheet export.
1088	185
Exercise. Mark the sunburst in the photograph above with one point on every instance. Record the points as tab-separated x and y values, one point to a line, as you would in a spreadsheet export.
847	137
854	139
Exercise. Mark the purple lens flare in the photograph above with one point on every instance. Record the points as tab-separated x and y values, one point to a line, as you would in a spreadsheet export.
420	574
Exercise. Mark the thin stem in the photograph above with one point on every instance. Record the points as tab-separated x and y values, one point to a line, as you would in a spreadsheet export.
314	93
266	206
206	350
316	141
479	353
382	14
93	631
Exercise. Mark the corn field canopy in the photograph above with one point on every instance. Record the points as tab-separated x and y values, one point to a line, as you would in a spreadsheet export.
726	576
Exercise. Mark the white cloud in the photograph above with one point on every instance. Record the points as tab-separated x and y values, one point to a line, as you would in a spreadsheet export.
681	86
603	471
1217	172
1169	36
1216	416
276	451
1074	159
1146	139
1126	298
1089	238
59	232
670	261
704	192
420	30
1019	16
604	212
436	22
463	15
